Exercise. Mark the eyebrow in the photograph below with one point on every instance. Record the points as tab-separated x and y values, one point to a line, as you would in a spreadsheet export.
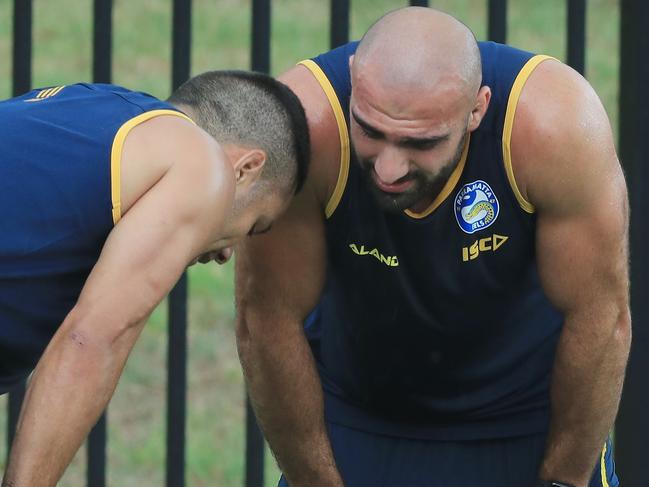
414	142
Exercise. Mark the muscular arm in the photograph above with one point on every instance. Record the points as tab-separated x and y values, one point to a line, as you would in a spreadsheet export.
279	279
572	175
142	258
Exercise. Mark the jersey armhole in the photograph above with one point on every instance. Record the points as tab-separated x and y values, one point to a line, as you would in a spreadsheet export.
512	103
343	134
116	155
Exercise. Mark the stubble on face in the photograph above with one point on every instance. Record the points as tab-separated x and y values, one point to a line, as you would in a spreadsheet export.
425	185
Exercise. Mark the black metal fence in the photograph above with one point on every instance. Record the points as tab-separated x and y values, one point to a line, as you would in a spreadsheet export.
632	434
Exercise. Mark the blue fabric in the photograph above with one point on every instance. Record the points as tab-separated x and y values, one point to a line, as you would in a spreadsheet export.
457	341
55	198
366	459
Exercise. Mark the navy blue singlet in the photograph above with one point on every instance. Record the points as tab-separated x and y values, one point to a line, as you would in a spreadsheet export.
434	325
60	197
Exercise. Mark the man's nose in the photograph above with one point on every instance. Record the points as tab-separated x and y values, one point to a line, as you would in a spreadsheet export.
224	255
391	165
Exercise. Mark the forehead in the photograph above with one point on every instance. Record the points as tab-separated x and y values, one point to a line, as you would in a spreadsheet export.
433	106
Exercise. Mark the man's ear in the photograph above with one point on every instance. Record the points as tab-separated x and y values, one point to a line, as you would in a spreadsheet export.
248	166
479	108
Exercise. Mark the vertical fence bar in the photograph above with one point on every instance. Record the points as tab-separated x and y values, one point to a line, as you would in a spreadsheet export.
632	427
177	350
260	61
176	384
419	3
101	73
497	26
96	470
102	41
22	46
254	450
16	396
577	34
339	23
260	45
21	82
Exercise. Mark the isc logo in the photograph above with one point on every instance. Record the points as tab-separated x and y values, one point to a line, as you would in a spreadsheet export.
487	244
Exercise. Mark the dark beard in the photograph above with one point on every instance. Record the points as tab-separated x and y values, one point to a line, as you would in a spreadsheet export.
425	186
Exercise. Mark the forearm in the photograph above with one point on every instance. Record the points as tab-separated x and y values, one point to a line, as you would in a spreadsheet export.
69	389
586	386
286	394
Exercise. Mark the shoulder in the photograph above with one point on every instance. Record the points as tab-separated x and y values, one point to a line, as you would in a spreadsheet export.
174	147
561	137
324	131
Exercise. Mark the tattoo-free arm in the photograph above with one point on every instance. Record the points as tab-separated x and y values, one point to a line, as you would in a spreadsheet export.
142	258
280	277
575	181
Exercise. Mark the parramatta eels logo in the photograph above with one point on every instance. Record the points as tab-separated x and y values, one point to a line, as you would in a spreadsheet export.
476	206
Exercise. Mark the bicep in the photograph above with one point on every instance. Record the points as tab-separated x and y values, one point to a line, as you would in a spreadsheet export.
148	249
566	156
582	251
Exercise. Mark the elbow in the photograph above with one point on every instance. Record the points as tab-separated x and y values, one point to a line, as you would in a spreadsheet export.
246	328
99	336
252	328
258	330
622	331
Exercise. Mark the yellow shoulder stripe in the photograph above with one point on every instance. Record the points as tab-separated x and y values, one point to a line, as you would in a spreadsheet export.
603	468
343	170
116	154
514	95
448	187
46	93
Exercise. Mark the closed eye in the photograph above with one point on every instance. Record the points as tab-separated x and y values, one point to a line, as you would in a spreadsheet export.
369	133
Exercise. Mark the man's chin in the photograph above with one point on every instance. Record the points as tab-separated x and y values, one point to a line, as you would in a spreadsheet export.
394	202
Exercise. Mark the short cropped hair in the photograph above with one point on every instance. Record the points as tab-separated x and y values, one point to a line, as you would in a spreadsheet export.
253	110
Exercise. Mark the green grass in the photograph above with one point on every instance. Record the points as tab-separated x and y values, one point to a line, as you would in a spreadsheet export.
221	39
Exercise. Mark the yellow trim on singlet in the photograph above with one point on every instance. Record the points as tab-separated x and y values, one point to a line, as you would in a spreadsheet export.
46	93
448	187
343	170
514	95
603	468
116	154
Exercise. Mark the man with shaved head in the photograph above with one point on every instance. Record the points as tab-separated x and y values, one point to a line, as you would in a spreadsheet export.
446	304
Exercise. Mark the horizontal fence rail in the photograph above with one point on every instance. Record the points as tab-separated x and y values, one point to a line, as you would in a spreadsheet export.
633	424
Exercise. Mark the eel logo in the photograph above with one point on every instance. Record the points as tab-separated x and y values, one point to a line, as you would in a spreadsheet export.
389	260
487	244
476	207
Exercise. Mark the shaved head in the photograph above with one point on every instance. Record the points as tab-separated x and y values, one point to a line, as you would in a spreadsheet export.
416	95
418	48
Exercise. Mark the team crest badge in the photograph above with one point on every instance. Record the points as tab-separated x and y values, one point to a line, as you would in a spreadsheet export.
476	206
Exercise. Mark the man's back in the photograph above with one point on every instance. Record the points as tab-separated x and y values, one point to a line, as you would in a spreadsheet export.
60	190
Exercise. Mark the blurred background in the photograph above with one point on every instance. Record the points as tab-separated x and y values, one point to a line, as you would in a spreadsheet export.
221	33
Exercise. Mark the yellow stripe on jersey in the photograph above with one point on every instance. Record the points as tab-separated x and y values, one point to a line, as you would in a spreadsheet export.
343	171
448	187
56	90
46	93
514	95
603	468
116	155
